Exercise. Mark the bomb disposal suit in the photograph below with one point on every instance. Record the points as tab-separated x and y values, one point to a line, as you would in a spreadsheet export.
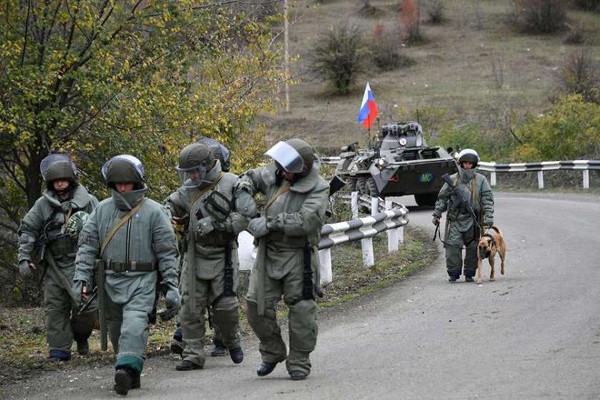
209	276
44	237
287	262
131	238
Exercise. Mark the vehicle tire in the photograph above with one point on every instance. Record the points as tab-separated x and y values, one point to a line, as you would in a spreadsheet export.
351	184
372	187
426	199
361	185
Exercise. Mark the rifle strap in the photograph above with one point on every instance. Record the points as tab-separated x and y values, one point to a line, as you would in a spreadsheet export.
118	225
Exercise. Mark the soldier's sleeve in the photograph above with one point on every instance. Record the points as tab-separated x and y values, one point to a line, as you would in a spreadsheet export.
30	230
310	218
486	197
88	250
441	203
164	245
175	204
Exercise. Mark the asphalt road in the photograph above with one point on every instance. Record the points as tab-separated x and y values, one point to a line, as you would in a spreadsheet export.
534	333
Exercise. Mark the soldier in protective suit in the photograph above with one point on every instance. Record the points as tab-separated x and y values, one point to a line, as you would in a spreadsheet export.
469	203
131	239
44	238
221	153
209	276
287	262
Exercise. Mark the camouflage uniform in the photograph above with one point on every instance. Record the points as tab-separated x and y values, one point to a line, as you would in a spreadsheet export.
461	229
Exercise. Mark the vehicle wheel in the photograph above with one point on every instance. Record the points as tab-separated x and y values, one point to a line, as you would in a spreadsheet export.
426	199
372	187
351	184
361	185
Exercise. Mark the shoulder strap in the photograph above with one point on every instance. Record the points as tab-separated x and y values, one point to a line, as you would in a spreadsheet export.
285	187
118	225
199	194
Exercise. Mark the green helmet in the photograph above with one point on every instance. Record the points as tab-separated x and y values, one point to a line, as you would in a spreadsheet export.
194	155
123	169
195	160
58	166
306	152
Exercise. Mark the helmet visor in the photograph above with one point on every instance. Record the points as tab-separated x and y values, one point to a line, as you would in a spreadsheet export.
193	177
286	156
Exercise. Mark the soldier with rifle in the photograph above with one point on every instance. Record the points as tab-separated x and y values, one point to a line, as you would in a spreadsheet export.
48	237
129	245
209	278
467	198
287	261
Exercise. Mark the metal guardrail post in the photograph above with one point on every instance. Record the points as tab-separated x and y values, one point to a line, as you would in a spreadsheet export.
392	234
326	266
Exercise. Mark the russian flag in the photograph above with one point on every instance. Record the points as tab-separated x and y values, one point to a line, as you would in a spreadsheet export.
368	109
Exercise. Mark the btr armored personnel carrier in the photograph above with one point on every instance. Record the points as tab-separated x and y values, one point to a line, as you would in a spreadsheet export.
399	163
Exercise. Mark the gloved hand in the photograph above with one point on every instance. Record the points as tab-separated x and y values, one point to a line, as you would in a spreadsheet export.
205	226
488	221
258	227
79	295
245	204
436	220
25	268
172	300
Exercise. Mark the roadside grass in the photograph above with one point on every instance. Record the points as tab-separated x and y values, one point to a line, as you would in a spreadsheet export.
23	347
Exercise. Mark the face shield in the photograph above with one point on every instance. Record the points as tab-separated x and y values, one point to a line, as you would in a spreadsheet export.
193	177
287	157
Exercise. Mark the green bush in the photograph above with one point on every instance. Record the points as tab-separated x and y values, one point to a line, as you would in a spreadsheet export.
568	131
340	56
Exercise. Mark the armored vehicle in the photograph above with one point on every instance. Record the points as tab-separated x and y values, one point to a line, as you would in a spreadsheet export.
398	163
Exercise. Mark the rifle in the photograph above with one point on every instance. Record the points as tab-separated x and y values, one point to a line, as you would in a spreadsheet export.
466	204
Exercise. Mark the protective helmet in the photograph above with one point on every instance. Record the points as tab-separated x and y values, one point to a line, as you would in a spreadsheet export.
58	166
123	168
195	160
219	151
293	155
469	155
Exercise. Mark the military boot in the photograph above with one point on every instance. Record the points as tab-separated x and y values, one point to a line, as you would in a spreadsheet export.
83	348
236	354
123	381
219	350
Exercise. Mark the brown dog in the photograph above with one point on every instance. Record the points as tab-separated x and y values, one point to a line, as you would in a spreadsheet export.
489	245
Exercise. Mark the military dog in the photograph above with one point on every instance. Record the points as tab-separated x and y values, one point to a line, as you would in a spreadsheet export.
489	245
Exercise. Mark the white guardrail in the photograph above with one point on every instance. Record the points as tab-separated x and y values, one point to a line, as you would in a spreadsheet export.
385	216
581	165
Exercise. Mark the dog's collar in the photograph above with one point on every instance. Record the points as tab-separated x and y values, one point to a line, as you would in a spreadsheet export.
491	238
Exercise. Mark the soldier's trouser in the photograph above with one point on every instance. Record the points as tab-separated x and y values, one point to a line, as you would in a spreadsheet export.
225	314
454	258
302	321
62	322
127	323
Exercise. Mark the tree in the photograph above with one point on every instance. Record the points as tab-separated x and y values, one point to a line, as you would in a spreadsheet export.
96	78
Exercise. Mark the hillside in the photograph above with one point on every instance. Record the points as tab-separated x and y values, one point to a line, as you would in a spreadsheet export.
475	68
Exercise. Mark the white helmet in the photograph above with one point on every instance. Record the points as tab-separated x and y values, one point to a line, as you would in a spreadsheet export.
469	155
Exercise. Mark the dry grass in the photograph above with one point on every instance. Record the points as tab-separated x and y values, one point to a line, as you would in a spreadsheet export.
473	62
